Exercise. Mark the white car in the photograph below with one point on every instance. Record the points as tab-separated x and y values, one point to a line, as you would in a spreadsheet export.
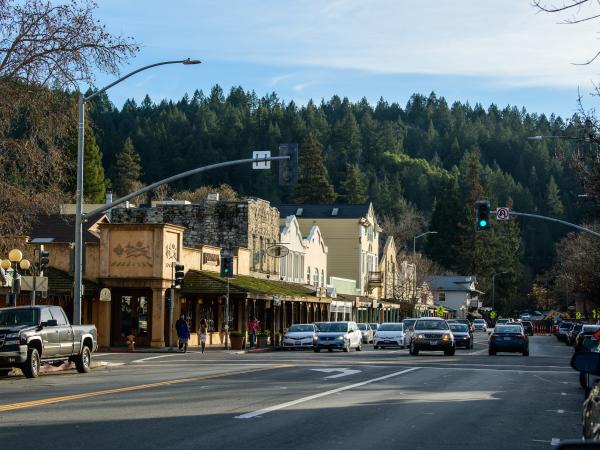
480	325
391	335
338	335
300	335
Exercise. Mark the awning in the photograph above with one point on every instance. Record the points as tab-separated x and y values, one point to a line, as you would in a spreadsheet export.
62	282
209	283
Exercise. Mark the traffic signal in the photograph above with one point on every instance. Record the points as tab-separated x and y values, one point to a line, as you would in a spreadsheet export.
482	215
44	260
288	168
178	275
227	266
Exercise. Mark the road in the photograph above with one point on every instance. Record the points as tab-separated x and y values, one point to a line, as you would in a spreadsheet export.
303	400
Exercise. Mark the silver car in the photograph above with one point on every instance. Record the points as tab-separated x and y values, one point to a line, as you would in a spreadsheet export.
300	336
367	332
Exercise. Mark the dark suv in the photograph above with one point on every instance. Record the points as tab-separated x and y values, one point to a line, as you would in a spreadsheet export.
432	333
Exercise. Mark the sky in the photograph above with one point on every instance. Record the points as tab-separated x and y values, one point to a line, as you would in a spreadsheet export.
478	51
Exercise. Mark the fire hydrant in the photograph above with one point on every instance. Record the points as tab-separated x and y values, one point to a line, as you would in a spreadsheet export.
131	342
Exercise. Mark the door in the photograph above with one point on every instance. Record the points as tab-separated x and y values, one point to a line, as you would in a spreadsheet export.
50	336
65	332
131	317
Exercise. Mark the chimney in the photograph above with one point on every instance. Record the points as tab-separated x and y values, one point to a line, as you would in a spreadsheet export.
109	199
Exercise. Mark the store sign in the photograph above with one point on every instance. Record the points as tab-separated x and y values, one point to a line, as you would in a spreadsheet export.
211	259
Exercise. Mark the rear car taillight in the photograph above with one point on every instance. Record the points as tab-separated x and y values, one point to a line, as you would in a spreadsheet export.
520	337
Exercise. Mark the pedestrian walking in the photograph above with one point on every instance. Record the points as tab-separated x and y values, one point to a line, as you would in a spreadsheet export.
252	331
183	333
203	332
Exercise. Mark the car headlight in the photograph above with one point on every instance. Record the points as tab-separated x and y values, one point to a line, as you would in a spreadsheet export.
341	338
315	337
420	336
12	336
446	337
285	336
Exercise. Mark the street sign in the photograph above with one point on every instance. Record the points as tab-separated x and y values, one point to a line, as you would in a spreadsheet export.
578	315
440	310
258	155
493	315
41	283
503	213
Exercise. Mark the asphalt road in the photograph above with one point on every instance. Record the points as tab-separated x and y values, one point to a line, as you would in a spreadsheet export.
303	400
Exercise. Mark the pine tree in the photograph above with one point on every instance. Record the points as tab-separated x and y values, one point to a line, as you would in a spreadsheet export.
553	202
355	185
313	182
127	169
94	180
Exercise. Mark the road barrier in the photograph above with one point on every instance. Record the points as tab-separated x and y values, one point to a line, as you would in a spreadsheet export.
542	327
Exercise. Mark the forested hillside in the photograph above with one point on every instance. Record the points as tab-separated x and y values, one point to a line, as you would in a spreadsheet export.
411	159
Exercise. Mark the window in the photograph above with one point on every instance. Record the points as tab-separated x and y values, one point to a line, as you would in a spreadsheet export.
334	211
442	297
45	315
308	275
59	316
316	277
322	278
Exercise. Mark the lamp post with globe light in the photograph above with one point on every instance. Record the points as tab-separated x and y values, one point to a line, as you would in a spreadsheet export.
15	262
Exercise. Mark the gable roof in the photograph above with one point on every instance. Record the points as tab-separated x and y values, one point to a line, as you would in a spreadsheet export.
60	228
324	211
452	283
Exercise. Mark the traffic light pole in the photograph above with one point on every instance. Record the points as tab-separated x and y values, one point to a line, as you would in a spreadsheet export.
171	305
227	317
80	216
552	219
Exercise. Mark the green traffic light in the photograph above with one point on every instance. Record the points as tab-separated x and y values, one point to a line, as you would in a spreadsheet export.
482	223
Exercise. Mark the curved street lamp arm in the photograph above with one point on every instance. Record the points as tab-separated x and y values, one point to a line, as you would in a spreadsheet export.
105	88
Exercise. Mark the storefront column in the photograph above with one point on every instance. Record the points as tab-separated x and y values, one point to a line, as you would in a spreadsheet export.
158	318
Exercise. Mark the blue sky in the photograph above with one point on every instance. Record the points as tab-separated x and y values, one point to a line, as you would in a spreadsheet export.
485	51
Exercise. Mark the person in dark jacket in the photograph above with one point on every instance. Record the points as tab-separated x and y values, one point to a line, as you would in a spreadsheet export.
183	333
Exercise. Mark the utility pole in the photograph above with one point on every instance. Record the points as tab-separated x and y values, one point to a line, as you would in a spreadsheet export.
227	317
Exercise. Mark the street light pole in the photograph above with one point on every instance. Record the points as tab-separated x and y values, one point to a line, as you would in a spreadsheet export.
78	276
415	258
493	286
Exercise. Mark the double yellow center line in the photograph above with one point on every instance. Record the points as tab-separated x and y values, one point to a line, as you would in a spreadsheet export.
139	387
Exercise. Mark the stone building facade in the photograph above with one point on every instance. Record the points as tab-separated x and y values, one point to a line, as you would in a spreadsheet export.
248	223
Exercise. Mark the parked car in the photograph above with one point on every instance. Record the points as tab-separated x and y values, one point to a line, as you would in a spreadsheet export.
30	335
367	332
586	334
572	333
338	335
391	335
508	338
374	327
527	327
300	336
432	333
480	325
525	316
462	336
588	364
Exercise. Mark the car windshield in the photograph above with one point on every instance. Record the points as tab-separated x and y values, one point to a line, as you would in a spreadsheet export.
431	325
511	329
391	327
373	326
459	327
300	328
18	317
334	327
362	326
409	322
479	321
590	328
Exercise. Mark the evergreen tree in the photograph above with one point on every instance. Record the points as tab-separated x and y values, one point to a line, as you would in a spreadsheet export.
355	185
94	181
553	202
313	182
128	169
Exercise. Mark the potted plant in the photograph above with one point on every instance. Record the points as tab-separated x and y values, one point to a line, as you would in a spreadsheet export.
277	342
263	338
236	339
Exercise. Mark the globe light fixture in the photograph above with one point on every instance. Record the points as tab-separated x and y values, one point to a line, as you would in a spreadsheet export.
15	255
25	264
5	264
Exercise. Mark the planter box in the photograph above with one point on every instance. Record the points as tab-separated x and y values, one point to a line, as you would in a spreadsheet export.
263	341
236	342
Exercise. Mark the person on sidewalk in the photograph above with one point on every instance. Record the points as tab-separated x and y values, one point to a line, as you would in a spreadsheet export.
252	331
202	333
183	333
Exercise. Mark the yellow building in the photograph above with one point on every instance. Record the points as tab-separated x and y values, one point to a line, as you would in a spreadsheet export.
352	236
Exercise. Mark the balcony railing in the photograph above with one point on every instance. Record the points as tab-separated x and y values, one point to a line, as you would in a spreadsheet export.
375	279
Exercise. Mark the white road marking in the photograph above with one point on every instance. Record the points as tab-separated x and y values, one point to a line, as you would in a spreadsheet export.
555	441
154	357
344	372
269	409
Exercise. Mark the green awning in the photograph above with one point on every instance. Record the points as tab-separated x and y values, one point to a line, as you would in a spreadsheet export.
60	281
204	282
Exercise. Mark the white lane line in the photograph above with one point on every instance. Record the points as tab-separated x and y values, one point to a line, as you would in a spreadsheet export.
344	372
486	369
153	357
555	441
269	409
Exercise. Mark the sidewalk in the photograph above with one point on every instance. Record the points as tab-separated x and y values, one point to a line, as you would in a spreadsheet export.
176	350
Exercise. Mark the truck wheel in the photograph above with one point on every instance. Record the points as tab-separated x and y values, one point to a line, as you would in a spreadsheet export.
83	361
31	367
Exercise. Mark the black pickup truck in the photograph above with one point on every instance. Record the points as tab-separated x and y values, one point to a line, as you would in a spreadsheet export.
32	334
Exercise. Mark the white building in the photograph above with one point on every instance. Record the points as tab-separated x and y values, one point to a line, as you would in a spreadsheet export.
455	293
291	267
315	257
